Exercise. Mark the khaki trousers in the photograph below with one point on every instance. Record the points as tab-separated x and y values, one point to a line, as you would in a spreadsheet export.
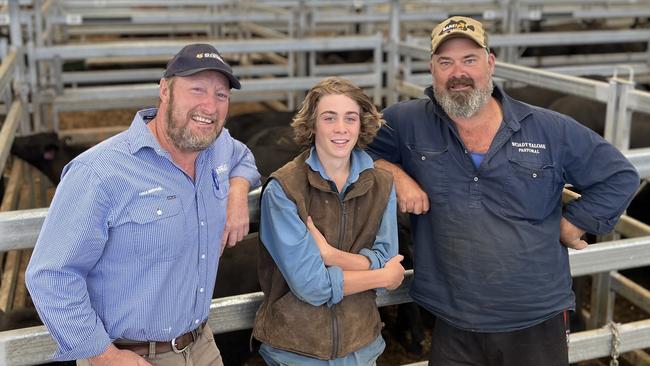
203	352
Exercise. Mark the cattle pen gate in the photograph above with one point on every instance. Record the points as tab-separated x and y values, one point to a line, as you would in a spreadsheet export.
45	37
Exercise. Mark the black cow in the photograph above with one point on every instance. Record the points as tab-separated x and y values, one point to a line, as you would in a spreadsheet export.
45	151
534	95
592	114
244	126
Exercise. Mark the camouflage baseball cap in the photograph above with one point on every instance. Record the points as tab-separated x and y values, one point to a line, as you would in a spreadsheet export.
458	27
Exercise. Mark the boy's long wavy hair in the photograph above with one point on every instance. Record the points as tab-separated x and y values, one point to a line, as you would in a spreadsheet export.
304	121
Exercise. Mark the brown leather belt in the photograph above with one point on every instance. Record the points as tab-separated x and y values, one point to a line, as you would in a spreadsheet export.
177	345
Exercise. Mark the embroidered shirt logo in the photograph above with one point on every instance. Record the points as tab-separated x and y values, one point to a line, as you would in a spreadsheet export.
528	147
150	191
221	168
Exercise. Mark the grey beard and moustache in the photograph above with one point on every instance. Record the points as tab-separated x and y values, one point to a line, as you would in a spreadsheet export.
182	136
463	104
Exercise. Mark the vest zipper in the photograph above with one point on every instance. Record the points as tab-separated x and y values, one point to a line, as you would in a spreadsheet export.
335	332
335	323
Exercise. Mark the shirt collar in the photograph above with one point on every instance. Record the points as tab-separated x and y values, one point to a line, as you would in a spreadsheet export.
514	111
139	135
359	161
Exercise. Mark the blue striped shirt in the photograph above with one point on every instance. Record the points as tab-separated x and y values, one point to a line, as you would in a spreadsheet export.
131	244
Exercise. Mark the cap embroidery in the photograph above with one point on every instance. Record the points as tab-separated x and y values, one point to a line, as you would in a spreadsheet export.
461	25
209	55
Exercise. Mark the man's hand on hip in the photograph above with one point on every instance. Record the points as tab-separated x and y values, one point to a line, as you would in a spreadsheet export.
571	235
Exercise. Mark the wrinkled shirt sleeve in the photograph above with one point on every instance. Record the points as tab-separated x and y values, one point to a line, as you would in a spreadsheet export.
71	241
386	243
294	251
243	164
606	179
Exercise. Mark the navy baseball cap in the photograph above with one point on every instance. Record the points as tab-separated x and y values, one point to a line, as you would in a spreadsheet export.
198	57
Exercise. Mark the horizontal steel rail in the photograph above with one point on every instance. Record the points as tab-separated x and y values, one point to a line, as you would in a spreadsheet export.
640	158
596	343
81	98
170	47
114	76
639	101
175	17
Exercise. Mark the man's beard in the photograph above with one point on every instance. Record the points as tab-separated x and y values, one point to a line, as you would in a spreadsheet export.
182	136
462	104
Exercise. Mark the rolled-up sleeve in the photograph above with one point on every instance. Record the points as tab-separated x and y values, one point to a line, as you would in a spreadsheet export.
243	164
70	243
294	251
386	243
605	178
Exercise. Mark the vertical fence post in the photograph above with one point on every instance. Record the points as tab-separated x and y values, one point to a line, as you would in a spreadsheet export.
393	56
16	36
617	132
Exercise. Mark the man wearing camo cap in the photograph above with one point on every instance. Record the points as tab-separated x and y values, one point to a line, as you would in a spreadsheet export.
482	176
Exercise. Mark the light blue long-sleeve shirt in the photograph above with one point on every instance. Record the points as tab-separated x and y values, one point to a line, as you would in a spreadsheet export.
131	244
293	249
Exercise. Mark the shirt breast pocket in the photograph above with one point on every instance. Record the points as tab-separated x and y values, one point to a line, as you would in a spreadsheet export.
528	190
220	186
428	166
157	228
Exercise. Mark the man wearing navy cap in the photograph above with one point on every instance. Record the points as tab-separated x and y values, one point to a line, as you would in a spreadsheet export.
491	259
124	266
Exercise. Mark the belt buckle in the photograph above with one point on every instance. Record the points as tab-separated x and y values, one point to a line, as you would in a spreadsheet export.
173	342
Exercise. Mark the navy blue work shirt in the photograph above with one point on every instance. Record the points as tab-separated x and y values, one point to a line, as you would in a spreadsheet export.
487	255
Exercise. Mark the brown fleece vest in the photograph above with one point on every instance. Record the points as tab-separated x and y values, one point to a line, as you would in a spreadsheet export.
284	321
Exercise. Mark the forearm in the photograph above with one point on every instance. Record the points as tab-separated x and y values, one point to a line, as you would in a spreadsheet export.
239	185
359	281
393	168
606	179
77	330
347	261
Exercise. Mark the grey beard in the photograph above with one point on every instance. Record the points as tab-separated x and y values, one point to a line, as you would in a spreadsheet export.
463	104
182	137
184	140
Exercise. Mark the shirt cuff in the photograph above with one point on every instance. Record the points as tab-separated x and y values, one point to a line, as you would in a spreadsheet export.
253	177
582	219
93	345
372	257
336	279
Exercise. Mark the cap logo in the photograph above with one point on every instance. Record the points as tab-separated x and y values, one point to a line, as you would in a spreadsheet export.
202	55
460	25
